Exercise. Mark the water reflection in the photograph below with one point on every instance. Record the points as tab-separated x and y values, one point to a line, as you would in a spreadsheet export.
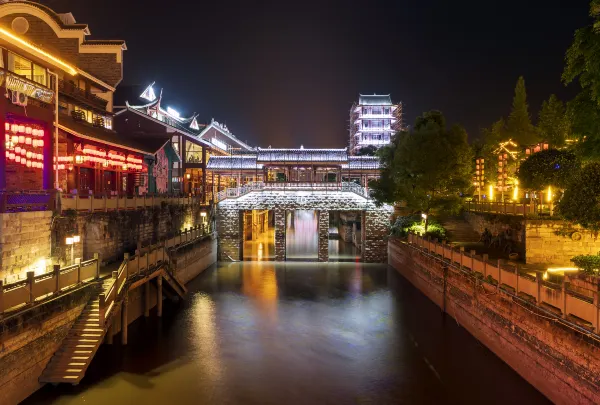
297	333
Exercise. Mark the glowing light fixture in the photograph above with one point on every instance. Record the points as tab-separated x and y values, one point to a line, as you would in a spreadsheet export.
515	193
76	239
424	216
70	69
557	269
149	93
549	197
173	112
491	192
69	241
203	214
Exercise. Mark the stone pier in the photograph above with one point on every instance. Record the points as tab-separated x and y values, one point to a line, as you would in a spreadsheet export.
280	235
323	229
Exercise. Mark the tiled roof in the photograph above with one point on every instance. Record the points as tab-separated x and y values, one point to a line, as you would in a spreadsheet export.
233	162
375	99
302	155
362	162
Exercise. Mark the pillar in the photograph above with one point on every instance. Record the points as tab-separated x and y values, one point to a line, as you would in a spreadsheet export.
147	299
279	235
229	229
204	175
323	229
124	322
159	296
374	231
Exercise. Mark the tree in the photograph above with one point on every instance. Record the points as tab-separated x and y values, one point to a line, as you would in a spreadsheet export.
583	66
427	168
550	167
553	124
580	201
369	150
518	125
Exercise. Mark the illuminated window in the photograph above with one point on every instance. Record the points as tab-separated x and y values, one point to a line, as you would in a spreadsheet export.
27	69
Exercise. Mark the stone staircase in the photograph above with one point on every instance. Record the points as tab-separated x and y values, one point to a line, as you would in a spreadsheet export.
69	363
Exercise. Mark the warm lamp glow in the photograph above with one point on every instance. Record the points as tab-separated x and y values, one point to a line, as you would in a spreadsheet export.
70	69
549	197
491	189
76	239
203	214
69	241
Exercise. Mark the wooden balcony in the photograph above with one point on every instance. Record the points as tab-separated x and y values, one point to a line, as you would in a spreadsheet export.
72	90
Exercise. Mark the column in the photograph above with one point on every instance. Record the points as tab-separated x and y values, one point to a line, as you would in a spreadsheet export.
323	229
279	235
159	295
374	232
229	232
204	162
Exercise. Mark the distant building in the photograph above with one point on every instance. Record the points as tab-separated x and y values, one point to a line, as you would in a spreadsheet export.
373	121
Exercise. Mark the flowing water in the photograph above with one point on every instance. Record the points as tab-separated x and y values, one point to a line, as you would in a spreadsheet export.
297	333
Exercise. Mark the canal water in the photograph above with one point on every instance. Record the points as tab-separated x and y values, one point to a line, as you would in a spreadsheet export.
297	333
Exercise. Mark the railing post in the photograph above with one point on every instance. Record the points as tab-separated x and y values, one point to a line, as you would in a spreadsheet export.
564	296
30	275
472	260
78	263
102	308
499	273
1	297
517	279
462	256
56	278
538	290
126	260
97	259
596	314
485	262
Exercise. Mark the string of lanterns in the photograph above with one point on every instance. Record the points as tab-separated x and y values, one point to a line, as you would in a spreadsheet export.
21	145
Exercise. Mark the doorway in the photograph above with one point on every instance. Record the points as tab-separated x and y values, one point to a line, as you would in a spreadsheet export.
258	234
301	235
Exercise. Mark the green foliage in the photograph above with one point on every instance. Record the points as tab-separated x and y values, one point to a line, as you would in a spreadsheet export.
369	150
427	168
583	66
589	264
550	167
580	200
518	125
415	224
553	123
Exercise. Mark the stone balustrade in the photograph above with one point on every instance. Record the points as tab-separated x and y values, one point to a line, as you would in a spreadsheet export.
91	203
580	307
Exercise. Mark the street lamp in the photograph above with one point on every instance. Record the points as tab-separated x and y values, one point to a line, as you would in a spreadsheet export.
70	241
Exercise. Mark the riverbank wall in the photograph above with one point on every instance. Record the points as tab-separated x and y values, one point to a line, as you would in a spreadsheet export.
29	338
561	362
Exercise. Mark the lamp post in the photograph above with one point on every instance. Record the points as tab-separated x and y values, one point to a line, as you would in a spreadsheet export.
72	240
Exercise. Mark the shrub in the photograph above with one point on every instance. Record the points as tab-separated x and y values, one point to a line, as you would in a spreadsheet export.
589	264
415	224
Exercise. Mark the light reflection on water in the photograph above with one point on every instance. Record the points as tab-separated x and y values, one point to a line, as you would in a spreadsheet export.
297	333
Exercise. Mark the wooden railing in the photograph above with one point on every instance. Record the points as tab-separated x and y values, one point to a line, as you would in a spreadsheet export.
71	89
143	261
507	208
36	288
564	301
89	202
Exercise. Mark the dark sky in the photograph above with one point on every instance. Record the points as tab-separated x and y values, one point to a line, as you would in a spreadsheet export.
286	72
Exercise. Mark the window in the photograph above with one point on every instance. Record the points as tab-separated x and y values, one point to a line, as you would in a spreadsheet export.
27	69
386	110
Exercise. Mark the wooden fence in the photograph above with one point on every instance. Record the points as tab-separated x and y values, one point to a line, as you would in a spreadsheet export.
36	288
577	305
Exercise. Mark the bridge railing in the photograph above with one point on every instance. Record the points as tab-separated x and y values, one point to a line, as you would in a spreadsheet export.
36	288
235	192
143	260
567	302
85	202
507	208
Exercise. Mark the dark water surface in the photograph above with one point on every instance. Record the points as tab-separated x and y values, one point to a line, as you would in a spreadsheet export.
297	333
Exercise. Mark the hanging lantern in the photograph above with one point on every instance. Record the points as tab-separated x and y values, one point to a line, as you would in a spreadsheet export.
14	128
41	143
29	154
21	128
28	130
28	163
27	141
21	138
15	139
23	151
18	150
18	159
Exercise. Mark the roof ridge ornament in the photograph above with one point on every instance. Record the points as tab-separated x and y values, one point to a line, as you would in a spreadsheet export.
149	93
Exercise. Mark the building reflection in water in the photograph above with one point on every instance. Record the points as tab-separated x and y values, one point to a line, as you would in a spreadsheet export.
260	283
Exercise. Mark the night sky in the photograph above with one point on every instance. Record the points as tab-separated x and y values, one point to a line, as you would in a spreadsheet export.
286	73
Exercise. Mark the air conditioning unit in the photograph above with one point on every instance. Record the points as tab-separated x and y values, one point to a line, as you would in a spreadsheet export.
19	98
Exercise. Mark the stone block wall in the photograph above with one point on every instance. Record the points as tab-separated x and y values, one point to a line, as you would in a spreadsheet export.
229	230
24	244
556	242
497	224
323	229
280	235
375	232
111	234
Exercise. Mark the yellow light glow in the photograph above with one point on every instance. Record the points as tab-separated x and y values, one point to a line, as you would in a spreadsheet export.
69	241
516	193
70	69
549	197
557	269
545	276
491	192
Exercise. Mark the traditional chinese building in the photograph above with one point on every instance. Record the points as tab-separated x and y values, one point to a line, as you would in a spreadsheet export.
180	164
373	121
